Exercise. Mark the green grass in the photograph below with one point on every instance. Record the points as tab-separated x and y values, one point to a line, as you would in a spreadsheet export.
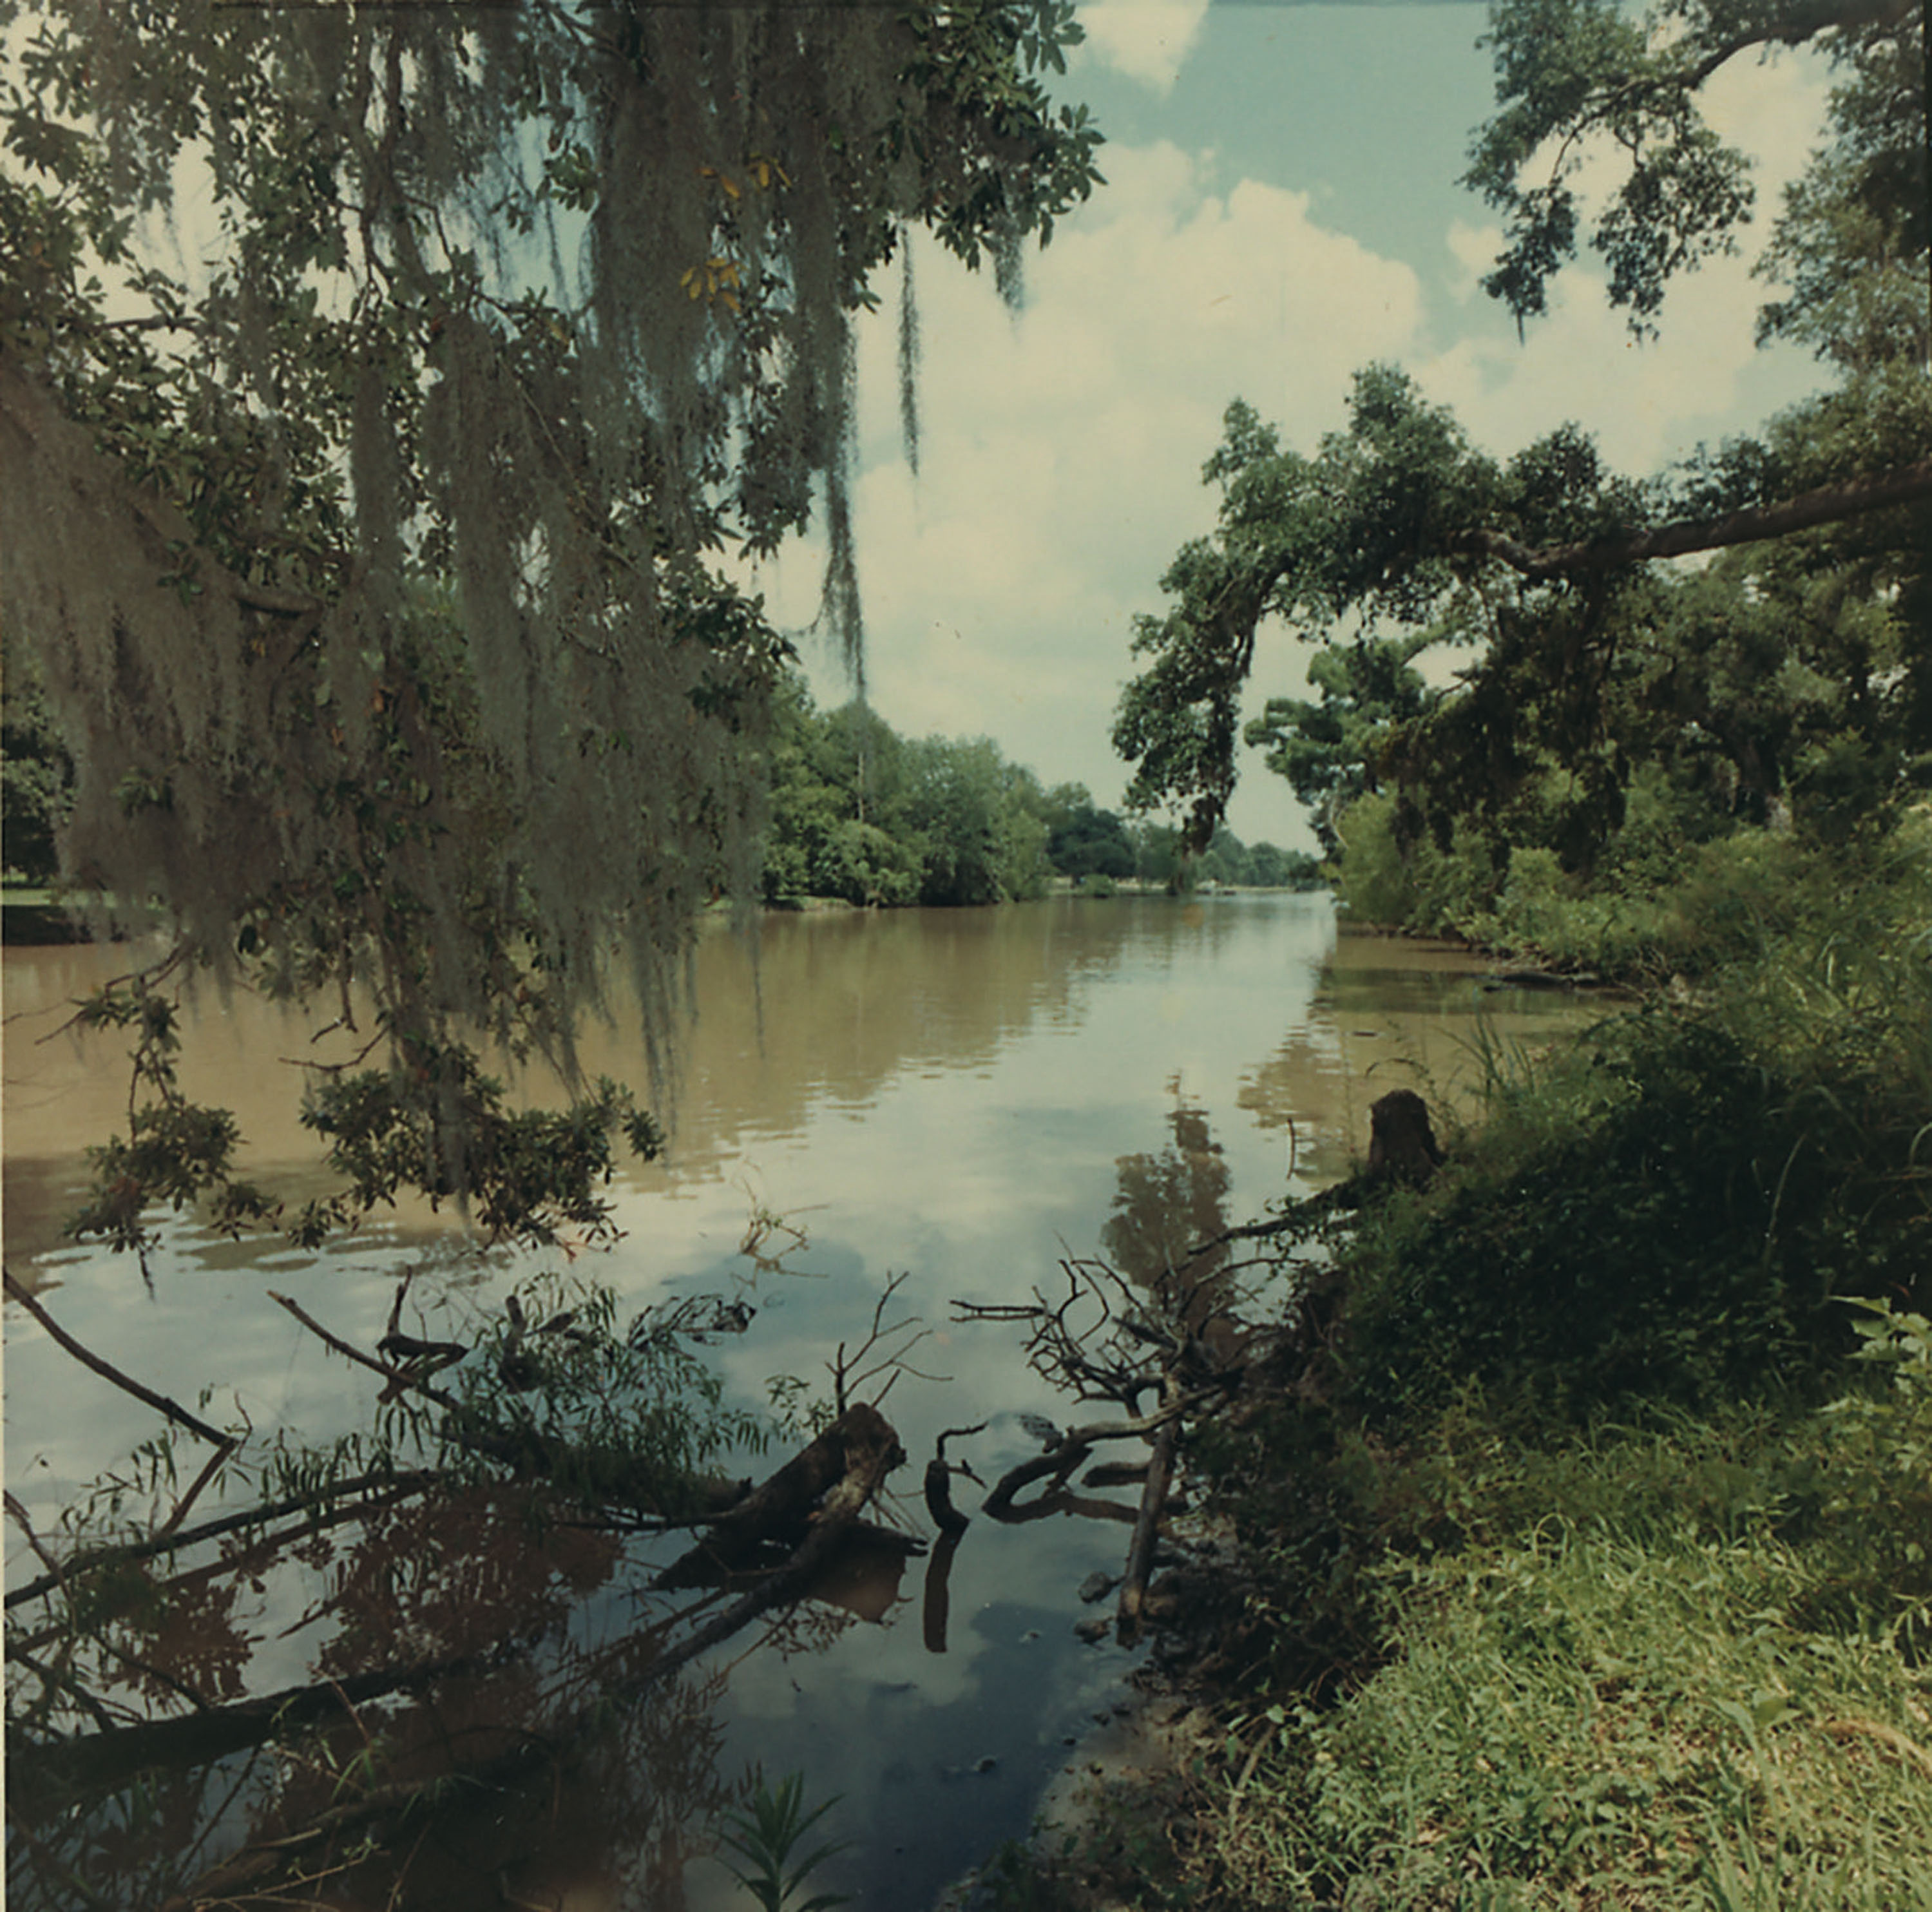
1619	1669
1601	1574
1617	1701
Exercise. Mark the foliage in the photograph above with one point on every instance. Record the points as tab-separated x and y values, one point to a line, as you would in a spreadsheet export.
1331	752
1374	525
386	561
446	1552
1676	1205
1601	1684
1082	840
432	1122
765	1837
1587	1562
36	775
859	812
439	1125
602	1415
1574	77
1788	680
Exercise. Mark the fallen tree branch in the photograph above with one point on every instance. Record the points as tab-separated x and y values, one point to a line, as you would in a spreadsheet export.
939	1473
1075	1445
200	1738
870	1450
399	1377
404	1484
784	1506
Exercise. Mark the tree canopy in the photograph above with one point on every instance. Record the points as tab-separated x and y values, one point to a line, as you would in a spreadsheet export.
1576	75
361	530
380	387
1535	572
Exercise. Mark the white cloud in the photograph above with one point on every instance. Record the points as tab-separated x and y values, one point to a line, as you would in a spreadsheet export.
1060	449
1146	40
1474	249
1647	402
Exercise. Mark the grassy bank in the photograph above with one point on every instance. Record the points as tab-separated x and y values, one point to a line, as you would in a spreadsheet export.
1656	906
1590	1565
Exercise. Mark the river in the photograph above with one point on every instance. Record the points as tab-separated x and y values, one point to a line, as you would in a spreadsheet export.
962	1099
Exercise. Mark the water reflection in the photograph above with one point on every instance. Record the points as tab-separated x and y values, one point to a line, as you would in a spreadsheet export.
961	1098
1393	1013
450	1637
1170	1205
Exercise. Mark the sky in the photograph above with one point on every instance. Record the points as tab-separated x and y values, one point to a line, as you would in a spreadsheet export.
1281	209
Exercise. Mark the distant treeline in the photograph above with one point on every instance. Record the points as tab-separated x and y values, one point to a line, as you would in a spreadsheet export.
859	812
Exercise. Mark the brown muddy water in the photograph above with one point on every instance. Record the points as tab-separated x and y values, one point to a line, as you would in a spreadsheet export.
960	1098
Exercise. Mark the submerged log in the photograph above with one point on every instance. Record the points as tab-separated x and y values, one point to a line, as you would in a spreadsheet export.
858	1448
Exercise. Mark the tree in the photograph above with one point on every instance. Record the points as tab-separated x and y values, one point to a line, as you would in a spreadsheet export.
1539	566
1270	867
1372	527
1083	841
976	818
1573	73
36	772
1331	752
372	561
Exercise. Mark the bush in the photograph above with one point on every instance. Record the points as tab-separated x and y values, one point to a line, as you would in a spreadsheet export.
1671	1208
1373	883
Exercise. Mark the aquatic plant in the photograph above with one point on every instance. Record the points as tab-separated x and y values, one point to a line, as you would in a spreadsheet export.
766	1837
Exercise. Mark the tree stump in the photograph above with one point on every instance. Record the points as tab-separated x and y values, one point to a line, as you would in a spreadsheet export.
1402	1145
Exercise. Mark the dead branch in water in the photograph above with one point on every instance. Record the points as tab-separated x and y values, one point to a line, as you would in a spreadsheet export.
1147	1527
847	1372
1094	1359
1072	1450
866	1449
939	1473
172	1409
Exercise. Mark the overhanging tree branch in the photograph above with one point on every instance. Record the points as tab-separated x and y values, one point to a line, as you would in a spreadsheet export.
1828	505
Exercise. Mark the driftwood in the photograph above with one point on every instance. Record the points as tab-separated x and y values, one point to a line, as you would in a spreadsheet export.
172	1409
1071	1452
860	1446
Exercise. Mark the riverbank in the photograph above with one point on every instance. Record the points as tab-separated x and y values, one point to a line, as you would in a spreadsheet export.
1586	1563
969	1093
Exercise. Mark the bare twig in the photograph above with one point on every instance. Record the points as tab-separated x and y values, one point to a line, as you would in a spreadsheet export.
845	1380
173	1409
18	1515
1091	1358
